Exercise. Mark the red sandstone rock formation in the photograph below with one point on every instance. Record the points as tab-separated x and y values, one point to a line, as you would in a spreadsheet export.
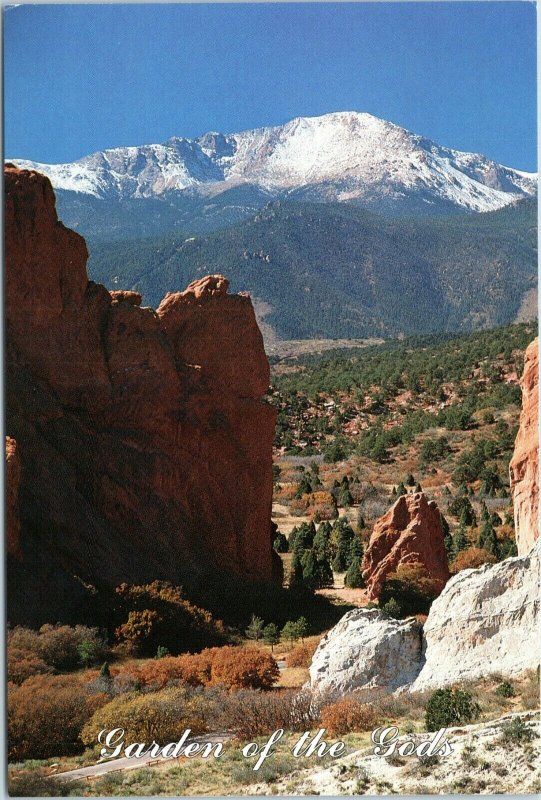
409	533
146	446
524	466
13	478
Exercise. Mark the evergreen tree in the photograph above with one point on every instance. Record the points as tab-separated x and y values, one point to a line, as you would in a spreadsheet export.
302	628
354	578
310	570
444	524
290	632
449	547
344	537
488	541
410	480
466	515
508	548
271	635
400	489
485	516
345	498
392	608
325	572
460	541
105	672
255	628
356	549
418	487
321	544
296	573
280	544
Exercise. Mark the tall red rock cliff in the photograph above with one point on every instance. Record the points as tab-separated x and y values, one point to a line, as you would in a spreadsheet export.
524	466
409	533
13	479
146	445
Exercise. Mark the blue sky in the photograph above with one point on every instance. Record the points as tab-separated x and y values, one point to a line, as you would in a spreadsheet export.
83	78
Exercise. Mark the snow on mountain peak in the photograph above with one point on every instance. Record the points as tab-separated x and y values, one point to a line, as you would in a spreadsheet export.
343	155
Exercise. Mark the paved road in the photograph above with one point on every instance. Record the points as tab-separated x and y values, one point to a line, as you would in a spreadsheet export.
121	764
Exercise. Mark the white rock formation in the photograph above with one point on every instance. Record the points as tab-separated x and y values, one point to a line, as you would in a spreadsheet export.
486	620
367	650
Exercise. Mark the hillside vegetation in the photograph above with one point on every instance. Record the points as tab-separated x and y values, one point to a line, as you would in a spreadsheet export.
331	270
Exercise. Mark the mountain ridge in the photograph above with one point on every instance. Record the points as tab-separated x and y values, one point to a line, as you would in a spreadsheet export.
341	156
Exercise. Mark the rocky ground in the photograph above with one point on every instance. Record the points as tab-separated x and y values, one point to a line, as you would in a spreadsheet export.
497	757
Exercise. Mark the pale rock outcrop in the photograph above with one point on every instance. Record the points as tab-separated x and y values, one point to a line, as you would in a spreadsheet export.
486	620
410	532
524	466
367	650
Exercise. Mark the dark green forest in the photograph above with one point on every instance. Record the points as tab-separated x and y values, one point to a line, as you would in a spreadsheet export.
337	270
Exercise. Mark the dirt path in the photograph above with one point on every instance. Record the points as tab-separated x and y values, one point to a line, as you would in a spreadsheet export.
126	763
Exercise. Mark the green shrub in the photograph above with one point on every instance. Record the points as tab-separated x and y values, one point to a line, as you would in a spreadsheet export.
449	707
392	608
505	689
517	732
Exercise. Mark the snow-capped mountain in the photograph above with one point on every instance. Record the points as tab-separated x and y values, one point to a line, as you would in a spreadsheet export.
343	156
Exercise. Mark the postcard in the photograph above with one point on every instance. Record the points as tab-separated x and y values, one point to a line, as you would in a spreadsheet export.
271	399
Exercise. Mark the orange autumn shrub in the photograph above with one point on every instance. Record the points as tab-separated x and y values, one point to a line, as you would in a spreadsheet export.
46	715
22	665
301	655
243	667
348	715
194	670
471	558
232	667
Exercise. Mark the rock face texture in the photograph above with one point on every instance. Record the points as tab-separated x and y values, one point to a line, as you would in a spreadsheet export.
485	620
13	479
524	466
146	446
410	532
367	650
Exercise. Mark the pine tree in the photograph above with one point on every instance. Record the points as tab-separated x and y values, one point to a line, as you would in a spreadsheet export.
302	627
290	632
488	540
310	571
449	547
280	543
326	577
271	635
255	628
460	540
410	480
508	548
400	489
356	549
295	575
354	578
105	672
344	538
322	541
345	498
